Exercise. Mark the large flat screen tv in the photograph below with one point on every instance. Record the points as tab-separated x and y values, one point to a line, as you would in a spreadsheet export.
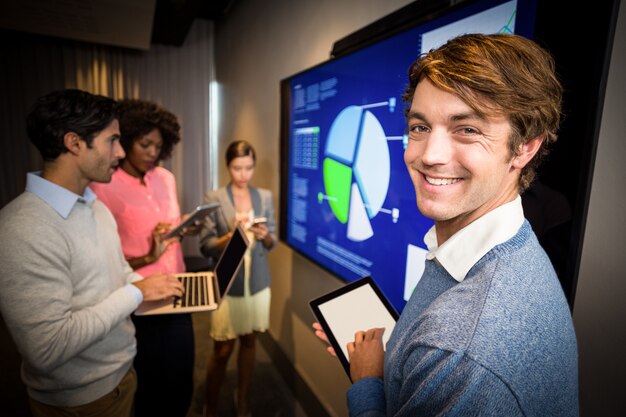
347	202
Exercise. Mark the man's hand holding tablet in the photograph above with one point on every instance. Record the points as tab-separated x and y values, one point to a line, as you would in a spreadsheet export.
356	319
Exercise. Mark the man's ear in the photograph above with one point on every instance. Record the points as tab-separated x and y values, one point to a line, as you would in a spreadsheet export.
527	151
72	142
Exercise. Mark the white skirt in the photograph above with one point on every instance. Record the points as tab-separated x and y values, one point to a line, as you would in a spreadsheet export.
241	315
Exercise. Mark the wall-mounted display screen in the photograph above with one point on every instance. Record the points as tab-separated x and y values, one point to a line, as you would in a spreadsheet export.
350	204
347	202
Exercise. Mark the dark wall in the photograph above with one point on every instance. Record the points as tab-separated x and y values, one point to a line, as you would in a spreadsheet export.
581	41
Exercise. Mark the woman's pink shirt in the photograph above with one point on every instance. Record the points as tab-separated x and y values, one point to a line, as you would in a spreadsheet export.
138	208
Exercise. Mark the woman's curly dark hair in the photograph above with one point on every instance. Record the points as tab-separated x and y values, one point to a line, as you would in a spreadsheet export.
139	117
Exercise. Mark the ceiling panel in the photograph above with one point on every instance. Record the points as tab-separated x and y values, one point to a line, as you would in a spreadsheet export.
126	23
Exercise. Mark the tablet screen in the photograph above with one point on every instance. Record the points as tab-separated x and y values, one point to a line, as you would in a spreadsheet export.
360	305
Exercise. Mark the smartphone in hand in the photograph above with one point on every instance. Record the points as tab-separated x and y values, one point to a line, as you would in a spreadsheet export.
259	220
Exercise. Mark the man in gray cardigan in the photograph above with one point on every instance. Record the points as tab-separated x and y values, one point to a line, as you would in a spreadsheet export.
67	291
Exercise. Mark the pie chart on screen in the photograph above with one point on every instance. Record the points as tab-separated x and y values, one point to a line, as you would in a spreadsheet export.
356	170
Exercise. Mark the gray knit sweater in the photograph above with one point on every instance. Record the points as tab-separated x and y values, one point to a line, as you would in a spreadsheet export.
500	343
63	299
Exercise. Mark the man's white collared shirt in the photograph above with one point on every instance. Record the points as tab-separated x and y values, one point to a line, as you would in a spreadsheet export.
462	250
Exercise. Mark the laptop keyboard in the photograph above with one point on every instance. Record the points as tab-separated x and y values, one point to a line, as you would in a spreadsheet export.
198	292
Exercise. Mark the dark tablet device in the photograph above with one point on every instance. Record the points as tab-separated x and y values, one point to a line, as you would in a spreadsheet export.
360	305
198	214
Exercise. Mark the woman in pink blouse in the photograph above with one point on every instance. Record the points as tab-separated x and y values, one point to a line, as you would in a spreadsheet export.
142	197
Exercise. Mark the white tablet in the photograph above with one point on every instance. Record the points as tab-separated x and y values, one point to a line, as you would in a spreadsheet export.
360	305
198	214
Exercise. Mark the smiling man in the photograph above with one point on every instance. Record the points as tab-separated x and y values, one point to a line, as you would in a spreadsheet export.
67	291
487	330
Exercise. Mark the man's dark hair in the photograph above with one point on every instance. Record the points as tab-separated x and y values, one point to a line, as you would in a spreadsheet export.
140	117
63	111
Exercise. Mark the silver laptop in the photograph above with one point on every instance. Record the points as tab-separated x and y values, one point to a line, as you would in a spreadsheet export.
204	291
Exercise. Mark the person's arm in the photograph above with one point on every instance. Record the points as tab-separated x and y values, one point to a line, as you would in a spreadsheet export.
262	234
215	232
431	381
157	248
154	287
367	357
159	287
266	233
366	397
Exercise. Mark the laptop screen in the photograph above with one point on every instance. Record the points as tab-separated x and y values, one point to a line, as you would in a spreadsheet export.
230	260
